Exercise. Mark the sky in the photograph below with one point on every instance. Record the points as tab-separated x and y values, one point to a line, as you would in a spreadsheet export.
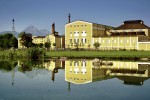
42	13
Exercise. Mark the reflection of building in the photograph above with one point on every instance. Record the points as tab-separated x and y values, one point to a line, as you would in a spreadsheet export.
130	72
82	72
54	66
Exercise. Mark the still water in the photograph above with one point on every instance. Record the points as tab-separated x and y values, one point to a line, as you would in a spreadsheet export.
78	79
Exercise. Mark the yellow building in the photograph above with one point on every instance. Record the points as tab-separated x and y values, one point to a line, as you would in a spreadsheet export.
38	39
82	34
35	40
133	34
56	41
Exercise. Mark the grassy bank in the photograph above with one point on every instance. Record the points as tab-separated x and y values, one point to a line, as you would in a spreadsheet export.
82	54
100	54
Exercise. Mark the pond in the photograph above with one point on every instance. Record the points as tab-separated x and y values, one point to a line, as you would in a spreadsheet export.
74	79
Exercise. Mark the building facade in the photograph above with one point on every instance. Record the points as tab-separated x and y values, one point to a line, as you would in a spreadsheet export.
38	39
131	35
83	34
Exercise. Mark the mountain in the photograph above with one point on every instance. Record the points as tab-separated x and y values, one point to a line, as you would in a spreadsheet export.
36	32
44	31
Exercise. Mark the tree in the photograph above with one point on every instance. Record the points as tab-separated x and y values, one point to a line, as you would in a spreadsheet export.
77	46
96	45
40	45
54	44
26	39
47	45
14	42
8	40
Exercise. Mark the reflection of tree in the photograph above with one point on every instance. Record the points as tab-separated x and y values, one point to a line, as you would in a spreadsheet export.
29	65
7	65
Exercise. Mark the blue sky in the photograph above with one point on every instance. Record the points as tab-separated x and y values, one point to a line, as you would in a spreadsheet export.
42	13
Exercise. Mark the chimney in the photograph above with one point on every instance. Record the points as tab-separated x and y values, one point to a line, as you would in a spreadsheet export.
69	18
53	28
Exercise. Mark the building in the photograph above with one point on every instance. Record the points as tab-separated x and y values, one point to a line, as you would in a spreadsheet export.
83	34
133	34
38	39
57	41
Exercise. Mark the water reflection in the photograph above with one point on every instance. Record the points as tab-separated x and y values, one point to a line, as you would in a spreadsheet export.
82	71
86	71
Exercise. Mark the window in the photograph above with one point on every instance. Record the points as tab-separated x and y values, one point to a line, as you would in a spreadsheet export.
127	41
70	40
121	41
83	33
108	41
77	40
103	41
70	63
76	63
83	40
76	33
114	41
83	63
74	40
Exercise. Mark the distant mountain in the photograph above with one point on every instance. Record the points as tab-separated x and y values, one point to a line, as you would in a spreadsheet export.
36	32
44	31
15	33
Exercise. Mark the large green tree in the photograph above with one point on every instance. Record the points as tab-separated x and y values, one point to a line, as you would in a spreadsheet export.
26	39
8	40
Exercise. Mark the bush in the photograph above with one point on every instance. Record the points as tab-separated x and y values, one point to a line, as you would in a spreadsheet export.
35	53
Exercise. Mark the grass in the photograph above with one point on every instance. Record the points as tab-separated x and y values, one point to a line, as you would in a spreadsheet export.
100	54
81	54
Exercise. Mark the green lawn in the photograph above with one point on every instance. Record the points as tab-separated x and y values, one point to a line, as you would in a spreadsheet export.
83	54
105	54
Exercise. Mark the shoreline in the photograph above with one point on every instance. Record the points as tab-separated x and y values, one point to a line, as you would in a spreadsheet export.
120	55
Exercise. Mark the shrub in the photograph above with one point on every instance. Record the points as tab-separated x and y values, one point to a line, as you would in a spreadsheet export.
35	53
